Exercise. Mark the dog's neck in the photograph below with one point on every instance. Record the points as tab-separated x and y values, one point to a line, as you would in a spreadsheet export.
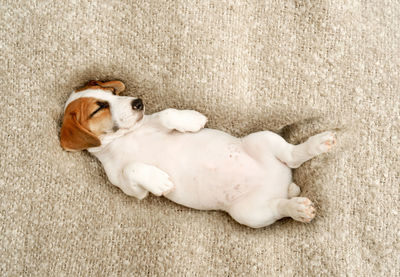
107	138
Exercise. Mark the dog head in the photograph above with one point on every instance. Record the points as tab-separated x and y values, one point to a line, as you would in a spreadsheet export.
97	110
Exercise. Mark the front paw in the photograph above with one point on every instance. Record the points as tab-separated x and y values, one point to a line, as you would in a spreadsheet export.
192	122
160	183
150	178
183	120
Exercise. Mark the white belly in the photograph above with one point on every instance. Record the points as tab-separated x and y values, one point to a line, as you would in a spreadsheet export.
210	169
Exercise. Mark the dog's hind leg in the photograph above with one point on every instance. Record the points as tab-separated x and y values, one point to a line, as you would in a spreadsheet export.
292	155
256	215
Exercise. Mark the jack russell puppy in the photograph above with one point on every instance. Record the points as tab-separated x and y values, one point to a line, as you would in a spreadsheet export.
170	153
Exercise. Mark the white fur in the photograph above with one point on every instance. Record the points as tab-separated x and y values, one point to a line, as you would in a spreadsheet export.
170	153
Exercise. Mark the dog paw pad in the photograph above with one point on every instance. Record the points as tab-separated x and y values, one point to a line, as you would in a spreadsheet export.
302	209
321	143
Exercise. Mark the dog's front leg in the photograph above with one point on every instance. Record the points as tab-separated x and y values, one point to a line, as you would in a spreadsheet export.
141	178
182	120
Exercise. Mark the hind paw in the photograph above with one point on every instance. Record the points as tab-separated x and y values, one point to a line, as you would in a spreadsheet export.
321	143
302	209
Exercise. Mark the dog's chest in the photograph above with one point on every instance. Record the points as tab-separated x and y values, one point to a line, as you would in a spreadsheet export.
204	150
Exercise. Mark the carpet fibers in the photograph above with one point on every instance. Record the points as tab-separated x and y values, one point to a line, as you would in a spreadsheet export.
294	67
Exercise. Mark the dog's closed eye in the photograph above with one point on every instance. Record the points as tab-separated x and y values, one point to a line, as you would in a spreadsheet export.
101	105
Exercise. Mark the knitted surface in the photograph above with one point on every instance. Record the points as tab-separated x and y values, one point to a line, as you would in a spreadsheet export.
293	67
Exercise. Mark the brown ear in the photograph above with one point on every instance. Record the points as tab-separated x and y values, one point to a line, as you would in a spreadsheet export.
118	86
115	87
74	136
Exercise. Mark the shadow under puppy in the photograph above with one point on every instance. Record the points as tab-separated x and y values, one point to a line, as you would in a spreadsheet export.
170	153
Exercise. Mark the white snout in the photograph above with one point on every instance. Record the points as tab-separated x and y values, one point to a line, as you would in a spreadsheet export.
123	113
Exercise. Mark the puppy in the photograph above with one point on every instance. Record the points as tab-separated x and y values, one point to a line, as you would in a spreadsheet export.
170	153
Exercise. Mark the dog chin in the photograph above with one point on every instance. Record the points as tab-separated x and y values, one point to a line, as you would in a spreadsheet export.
132	122
140	117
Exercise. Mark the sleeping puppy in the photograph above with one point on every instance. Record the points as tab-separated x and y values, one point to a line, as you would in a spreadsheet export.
170	153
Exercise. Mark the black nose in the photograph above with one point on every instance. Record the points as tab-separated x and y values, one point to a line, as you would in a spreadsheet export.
137	104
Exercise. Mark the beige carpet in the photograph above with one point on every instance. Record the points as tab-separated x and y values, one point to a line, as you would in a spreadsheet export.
293	67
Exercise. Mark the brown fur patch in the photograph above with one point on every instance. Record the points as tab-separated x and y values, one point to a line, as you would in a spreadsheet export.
79	130
115	87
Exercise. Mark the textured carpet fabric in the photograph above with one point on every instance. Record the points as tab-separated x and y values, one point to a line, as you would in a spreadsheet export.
293	67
